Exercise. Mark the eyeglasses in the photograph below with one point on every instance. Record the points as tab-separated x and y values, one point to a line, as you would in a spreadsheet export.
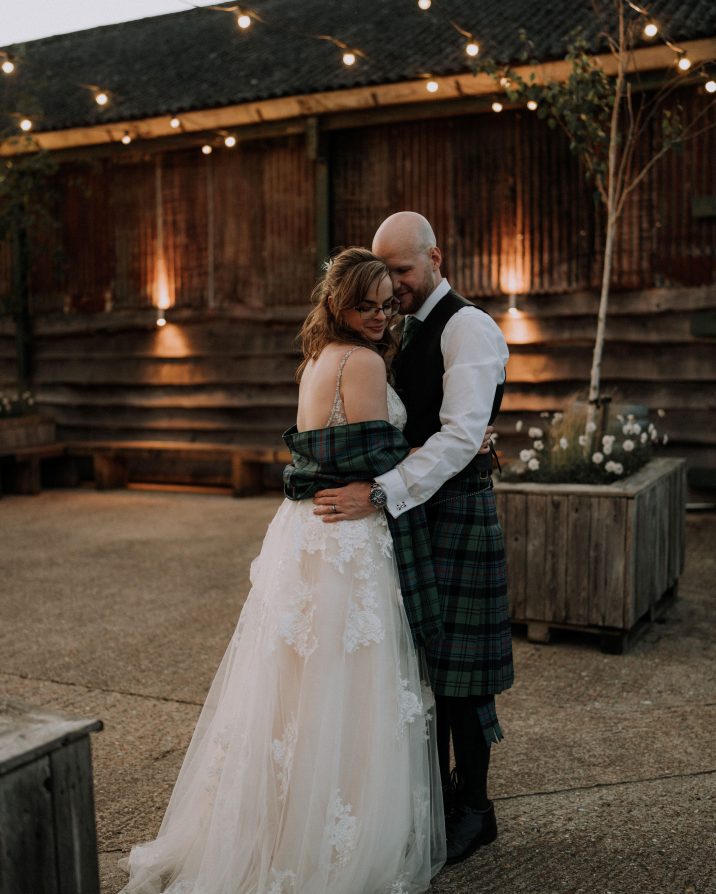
367	311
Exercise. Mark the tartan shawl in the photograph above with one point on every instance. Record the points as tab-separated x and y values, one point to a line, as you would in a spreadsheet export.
358	451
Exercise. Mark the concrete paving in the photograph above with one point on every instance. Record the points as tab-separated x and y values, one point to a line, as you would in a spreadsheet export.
119	605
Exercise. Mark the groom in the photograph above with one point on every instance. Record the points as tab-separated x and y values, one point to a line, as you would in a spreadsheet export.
450	376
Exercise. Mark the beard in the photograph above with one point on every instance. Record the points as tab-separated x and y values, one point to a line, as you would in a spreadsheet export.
414	299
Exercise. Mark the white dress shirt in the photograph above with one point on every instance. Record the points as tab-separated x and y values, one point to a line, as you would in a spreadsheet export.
474	356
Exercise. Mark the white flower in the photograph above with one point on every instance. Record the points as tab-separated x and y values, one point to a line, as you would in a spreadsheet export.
597	457
609	466
591	426
665	439
655	435
627	429
557	417
636	429
582	440
538	445
643	437
618	468
651	428
607	448
535	432
620	417
563	443
526	455
661	413
544	415
631	417
608	439
518	425
533	464
628	445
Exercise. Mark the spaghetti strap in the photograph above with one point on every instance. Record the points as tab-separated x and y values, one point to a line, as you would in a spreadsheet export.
337	416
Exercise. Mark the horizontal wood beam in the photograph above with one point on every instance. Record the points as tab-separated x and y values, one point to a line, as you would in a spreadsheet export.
268	112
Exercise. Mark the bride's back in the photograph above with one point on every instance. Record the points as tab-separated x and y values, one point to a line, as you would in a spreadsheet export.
352	375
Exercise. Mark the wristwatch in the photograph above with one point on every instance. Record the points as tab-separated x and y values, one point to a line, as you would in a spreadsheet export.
378	496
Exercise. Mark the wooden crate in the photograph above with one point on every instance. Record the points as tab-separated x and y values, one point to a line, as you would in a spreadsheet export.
598	558
48	842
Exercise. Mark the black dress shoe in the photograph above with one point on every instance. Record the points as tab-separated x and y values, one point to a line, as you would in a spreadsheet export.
467	830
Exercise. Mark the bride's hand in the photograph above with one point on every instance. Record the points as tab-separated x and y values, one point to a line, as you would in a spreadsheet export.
344	503
486	440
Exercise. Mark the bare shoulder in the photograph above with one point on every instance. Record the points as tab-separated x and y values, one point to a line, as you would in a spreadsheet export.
365	361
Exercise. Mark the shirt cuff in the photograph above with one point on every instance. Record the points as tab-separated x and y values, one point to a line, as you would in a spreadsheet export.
399	500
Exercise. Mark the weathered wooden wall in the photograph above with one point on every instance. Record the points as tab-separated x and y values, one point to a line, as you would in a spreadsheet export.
230	240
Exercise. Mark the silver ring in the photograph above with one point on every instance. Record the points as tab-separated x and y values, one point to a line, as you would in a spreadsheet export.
333	508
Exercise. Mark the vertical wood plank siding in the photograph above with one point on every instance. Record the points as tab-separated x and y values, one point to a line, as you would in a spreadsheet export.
512	212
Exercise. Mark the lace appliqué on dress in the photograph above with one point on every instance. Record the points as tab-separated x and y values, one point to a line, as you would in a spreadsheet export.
295	625
341	831
282	881
363	625
282	751
410	706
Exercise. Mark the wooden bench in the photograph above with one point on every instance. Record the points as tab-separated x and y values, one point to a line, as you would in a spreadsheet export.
111	461
21	467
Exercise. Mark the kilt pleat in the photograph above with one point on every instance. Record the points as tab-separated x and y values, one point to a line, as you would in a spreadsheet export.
475	655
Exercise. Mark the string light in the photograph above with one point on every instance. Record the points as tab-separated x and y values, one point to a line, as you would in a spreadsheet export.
206	149
711	86
684	63
650	30
424	4
496	106
432	86
472	49
349	58
8	66
26	124
175	122
101	98
161	320
243	21
126	138
531	105
230	142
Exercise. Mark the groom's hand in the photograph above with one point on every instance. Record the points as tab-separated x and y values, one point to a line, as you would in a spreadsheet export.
489	431
350	502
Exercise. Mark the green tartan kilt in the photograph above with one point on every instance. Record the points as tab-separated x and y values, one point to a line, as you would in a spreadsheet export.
475	655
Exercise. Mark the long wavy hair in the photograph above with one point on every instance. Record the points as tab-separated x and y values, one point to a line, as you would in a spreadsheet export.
348	278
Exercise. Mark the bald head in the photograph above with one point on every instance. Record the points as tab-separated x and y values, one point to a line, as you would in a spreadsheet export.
401	232
406	242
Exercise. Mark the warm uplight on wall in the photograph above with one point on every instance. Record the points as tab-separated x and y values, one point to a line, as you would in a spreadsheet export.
161	319
162	292
512	308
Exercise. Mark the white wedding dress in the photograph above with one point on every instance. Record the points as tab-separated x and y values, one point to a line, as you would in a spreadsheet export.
313	766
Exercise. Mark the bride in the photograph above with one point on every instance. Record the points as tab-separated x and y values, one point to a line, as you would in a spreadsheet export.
313	765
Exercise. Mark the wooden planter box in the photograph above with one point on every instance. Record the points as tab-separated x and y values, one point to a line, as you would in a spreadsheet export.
597	558
26	431
48	843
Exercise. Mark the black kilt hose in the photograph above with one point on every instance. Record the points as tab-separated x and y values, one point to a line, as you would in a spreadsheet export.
474	658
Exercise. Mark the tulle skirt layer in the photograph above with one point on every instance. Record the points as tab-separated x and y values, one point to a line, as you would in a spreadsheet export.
313	767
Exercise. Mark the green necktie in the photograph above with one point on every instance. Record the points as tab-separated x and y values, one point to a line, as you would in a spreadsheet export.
410	330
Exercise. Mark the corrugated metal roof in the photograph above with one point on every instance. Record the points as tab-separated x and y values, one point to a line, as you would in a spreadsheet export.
200	58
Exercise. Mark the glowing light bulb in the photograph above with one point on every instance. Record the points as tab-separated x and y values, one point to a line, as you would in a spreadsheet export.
126	139
650	30
349	58
711	86
101	99
496	106
8	67
175	122
684	63
206	149
472	49
425	4
432	86
243	21
230	142
26	124
161	321
531	105
513	312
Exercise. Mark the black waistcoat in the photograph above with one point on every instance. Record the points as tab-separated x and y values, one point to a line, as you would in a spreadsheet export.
419	370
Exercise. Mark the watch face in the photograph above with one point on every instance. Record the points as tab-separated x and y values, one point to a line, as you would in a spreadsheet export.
378	496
